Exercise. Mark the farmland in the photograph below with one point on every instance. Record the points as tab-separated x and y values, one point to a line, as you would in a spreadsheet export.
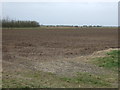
57	57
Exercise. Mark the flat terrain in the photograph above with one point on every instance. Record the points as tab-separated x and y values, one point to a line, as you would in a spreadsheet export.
55	51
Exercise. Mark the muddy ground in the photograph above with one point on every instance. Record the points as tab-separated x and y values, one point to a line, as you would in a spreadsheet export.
61	51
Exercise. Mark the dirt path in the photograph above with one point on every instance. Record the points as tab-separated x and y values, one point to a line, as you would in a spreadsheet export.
69	66
61	66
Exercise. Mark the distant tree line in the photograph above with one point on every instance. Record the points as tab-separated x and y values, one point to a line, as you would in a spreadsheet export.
8	23
18	23
71	26
60	26
91	26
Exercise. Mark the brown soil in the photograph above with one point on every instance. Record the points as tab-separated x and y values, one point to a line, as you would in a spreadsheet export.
63	51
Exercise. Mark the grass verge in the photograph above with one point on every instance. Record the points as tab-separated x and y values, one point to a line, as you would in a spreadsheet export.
111	61
88	79
31	79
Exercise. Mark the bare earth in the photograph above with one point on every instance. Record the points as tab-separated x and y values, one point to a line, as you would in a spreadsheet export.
62	51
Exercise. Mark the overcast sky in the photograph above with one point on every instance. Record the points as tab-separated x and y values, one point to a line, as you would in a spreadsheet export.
65	13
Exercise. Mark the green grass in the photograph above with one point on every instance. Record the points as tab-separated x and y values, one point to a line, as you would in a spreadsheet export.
38	79
88	79
110	61
31	79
